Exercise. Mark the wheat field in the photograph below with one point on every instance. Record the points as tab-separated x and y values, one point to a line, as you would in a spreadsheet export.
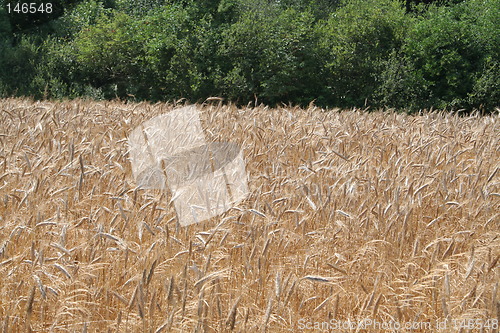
351	216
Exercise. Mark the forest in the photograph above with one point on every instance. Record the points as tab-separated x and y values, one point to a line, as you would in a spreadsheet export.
406	55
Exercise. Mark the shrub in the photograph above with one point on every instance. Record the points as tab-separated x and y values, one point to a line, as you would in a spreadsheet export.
5	27
18	66
166	53
357	39
401	84
83	16
454	51
107	54
58	74
485	92
138	8
270	54
337	52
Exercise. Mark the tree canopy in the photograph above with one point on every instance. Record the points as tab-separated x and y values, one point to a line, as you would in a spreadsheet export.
403	54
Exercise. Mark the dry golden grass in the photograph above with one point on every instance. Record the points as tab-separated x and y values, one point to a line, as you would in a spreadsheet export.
351	215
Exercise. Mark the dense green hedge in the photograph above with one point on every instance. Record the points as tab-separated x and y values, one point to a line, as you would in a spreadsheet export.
337	53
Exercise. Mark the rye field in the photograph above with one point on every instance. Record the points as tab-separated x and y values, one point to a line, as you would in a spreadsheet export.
352	216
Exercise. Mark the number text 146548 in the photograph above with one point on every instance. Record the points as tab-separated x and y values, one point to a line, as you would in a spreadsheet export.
29	8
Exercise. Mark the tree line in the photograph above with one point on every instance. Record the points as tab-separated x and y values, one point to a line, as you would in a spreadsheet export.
407	55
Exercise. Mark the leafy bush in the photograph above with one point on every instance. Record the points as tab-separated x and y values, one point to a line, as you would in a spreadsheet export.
58	74
138	8
5	27
337	52
485	30
401	84
83	16
107	54
159	56
356	41
485	92
270	54
166	55
453	52
18	66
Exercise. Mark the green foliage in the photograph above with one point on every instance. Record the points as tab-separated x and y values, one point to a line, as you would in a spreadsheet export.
18	66
162	55
319	8
227	11
58	74
486	89
138	8
356	40
5	27
167	53
269	54
107	54
453	52
337	52
83	16
401	84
